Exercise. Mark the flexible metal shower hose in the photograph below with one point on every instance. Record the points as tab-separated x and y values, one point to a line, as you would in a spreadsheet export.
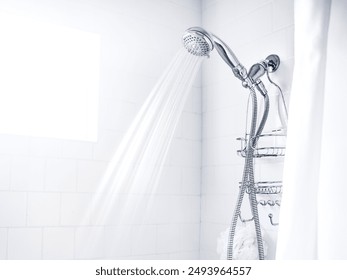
248	179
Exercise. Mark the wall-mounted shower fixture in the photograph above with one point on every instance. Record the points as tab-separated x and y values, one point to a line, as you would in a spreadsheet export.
270	64
199	42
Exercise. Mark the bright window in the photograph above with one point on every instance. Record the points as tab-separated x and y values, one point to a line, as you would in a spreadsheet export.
49	79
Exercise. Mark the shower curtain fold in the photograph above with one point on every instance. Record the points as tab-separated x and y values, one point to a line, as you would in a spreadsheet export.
312	222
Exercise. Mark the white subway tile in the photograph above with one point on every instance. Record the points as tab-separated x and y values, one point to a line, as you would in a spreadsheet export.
207	179
177	238
194	255
219	95
116	242
13	209
257	22
110	209
5	168
89	243
197	154
27	173
208	255
155	210
135	92
75	209
61	175
43	209
191	237
283	14
45	147
14	145
3	243
170	180
180	152
144	239
58	243
107	145
25	243
103	242
139	67
210	233
117	115
197	100
188	106
227	178
192	4
168	238
191	128
206	4
217	208
209	149
271	171
191	181
89	175
214	70
226	151
188	210
77	149
148	257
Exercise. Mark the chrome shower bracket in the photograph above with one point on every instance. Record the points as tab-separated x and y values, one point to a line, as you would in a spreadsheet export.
268	65
272	63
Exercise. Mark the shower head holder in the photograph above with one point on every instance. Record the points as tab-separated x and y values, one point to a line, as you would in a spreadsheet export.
269	65
273	62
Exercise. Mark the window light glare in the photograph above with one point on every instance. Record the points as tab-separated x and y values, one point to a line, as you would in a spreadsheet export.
49	79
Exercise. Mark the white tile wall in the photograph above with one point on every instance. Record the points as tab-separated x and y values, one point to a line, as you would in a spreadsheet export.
13	209
43	147
61	174
89	174
24	243
256	29
141	233
3	243
77	149
46	185
58	243
27	173
43	209
74	209
5	172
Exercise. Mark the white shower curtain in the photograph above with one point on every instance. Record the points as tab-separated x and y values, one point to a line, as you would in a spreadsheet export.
313	218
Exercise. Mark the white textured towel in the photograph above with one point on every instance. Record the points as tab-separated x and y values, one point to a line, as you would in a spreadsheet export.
245	243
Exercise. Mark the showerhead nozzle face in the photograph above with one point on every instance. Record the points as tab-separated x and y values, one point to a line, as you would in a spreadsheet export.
198	41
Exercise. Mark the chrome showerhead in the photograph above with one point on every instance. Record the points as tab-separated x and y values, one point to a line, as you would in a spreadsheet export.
198	41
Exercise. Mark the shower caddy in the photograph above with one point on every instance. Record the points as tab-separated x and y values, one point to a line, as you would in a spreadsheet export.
264	187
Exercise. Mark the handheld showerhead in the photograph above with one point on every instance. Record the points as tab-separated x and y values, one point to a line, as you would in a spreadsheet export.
200	42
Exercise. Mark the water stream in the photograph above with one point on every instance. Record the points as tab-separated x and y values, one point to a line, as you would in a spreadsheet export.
129	184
